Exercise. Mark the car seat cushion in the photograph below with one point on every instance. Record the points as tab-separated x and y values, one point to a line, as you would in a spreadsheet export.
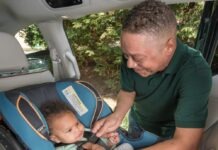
210	138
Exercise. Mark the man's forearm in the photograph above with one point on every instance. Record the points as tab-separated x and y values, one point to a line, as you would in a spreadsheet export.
170	145
184	139
124	103
166	145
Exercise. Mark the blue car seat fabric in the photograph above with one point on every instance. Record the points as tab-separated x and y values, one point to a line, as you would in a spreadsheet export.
89	106
20	127
30	113
144	139
19	108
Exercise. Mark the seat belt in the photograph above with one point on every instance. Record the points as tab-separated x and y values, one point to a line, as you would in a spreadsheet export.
92	138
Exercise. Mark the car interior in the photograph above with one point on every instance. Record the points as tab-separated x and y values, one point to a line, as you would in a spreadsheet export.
16	79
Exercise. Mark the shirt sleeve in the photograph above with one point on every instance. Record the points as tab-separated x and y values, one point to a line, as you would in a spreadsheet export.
191	111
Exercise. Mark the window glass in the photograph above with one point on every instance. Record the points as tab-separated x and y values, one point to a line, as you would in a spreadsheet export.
214	65
34	48
188	17
61	3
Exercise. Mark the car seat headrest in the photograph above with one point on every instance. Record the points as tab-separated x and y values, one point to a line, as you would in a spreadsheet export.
12	58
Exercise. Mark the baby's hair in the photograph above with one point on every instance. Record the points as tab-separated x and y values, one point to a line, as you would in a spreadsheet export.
53	108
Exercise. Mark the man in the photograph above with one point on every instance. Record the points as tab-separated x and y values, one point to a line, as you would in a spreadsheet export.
164	82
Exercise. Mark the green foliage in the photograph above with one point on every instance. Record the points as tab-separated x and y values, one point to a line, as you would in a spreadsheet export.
125	122
34	38
95	40
188	18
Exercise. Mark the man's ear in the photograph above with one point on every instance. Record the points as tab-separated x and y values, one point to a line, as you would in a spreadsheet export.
54	139
170	46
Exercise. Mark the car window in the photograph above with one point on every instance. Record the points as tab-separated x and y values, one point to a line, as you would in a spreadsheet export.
207	39
36	51
214	65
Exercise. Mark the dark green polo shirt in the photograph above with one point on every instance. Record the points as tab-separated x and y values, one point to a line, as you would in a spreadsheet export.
175	97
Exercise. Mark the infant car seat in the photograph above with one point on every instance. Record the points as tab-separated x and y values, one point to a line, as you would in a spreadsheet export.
19	108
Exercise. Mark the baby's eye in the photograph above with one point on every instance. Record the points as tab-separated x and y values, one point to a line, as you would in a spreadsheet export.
69	130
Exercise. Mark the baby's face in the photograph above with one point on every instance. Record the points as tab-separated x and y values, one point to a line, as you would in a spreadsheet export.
66	128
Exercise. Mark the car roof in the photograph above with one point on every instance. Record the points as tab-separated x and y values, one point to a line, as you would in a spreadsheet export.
15	15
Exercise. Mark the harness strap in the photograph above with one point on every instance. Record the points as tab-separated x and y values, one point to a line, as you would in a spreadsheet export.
92	139
80	144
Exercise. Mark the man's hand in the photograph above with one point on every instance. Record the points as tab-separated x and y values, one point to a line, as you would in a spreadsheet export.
112	122
107	125
91	146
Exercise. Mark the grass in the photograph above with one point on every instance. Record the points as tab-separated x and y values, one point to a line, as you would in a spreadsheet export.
125	123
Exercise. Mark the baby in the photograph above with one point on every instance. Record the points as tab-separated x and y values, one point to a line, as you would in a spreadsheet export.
65	128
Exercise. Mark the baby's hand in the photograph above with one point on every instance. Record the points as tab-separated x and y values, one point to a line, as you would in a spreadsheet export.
113	138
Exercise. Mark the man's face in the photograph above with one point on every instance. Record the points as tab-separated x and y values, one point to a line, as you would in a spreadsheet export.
146	54
66	128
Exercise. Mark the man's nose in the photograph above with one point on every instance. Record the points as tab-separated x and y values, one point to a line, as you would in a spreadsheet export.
131	63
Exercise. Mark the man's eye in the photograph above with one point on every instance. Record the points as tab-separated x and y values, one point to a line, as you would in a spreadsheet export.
138	59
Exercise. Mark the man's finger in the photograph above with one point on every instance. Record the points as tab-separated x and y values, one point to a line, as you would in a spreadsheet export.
104	130
98	125
107	135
